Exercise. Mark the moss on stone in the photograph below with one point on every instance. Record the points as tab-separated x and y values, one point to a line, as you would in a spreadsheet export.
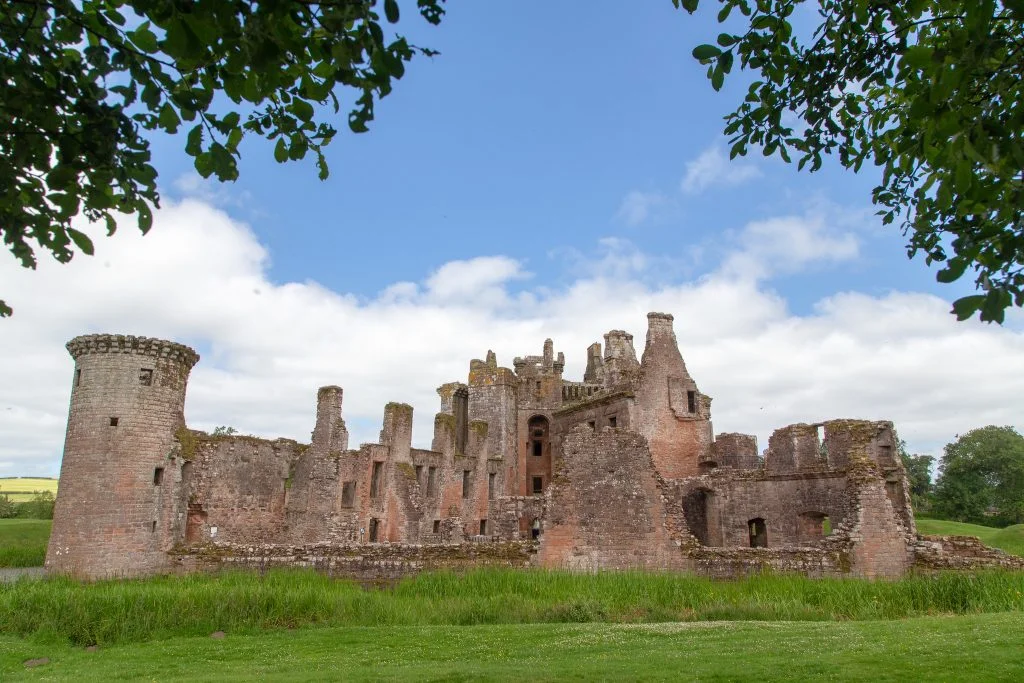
189	441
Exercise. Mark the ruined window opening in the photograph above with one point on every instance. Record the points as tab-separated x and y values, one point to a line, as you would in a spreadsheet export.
146	377
535	529
152	529
483	527
593	425
538	427
378	467
437	526
490	485
758	533
538	387
612	422
419	475
113	422
78	377
813	525
691	401
538	448
431	481
158	476
826	526
538	485
465	483
460	408
348	494
590	391
374	525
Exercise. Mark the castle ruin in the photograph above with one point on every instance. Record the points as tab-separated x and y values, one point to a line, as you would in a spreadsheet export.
621	470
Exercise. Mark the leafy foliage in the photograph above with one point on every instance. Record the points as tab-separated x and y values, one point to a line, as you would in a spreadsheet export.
928	90
982	478
84	81
919	474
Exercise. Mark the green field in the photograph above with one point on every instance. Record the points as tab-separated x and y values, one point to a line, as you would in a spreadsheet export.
23	542
21	489
965	648
1010	539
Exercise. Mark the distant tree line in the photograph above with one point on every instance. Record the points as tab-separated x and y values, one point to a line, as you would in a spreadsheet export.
980	478
40	506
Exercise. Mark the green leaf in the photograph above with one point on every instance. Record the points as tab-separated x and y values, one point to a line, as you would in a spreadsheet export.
391	11
967	306
918	56
144	39
281	151
953	270
145	218
81	240
703	52
194	142
169	120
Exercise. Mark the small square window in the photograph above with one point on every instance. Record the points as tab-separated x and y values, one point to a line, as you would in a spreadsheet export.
483	527
146	377
158	476
538	484
593	424
437	526
612	422
113	422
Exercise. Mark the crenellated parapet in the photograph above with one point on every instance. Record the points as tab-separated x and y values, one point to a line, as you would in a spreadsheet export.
130	344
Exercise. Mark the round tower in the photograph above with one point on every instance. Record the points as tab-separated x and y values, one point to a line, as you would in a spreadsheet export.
117	501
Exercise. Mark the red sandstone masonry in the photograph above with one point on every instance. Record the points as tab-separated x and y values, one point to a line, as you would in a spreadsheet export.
631	478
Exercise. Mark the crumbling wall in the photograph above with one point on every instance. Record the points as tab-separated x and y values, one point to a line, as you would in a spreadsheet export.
236	487
937	553
733	450
606	508
796	448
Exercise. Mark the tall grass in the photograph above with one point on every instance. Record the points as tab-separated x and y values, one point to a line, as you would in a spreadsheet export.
23	542
129	611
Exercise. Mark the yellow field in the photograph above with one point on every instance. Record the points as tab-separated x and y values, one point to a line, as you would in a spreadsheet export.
20	489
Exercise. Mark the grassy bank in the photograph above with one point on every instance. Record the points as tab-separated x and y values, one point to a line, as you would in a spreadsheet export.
23	542
1010	539
131	611
964	648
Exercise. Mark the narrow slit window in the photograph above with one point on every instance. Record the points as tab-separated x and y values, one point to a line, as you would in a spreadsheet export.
146	376
691	401
158	476
538	485
465	483
374	529
490	485
538	448
483	527
419	474
378	467
431	481
152	528
78	376
437	526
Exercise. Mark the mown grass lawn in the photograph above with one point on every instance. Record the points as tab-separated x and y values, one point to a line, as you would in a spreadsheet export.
974	647
1010	539
23	542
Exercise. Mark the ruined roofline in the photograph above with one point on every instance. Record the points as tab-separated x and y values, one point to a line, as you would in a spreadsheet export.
130	344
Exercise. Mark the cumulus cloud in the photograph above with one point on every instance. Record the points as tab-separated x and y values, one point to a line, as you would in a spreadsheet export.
713	167
201	278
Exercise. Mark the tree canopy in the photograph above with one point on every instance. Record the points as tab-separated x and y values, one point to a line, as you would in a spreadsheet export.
84	82
981	478
931	91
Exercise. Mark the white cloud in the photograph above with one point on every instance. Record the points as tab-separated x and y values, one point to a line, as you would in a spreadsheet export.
201	278
713	167
638	206
789	244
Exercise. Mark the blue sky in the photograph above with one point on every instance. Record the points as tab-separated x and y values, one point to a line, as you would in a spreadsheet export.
557	171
